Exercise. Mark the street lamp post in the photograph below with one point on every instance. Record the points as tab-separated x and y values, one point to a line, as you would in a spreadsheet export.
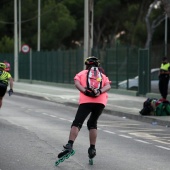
166	33
88	27
19	29
39	20
15	42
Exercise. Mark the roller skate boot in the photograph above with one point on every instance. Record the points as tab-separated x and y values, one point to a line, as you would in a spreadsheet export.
65	154
92	154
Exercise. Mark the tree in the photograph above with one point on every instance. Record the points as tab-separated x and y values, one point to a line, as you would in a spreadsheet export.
166	4
56	25
62	23
151	25
106	21
6	44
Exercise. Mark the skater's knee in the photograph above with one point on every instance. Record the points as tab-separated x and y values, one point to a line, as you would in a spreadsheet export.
77	124
91	125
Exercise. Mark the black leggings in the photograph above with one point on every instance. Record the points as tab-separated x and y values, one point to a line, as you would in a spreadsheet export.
163	85
3	89
84	110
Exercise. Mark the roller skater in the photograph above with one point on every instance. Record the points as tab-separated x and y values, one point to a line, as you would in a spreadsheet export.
92	154
5	80
65	154
93	86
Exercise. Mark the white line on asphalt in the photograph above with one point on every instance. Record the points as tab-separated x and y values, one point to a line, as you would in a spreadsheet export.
108	131
122	107
125	136
52	116
164	142
142	141
162	147
62	119
44	113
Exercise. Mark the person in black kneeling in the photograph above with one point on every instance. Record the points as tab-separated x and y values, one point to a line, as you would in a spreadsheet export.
164	77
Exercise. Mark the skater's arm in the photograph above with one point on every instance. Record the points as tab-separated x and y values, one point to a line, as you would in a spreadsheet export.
106	88
11	82
79	86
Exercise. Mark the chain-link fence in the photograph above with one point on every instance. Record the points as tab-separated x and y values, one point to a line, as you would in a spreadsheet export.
120	63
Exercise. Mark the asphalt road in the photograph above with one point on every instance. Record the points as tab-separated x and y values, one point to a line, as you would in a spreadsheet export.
32	133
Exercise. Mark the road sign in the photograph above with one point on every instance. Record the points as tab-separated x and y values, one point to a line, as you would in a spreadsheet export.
25	48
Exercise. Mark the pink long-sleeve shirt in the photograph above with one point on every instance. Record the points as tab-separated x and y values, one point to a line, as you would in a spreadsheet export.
82	78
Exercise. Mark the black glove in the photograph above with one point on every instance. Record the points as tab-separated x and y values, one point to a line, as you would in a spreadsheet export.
97	92
89	93
10	92
92	93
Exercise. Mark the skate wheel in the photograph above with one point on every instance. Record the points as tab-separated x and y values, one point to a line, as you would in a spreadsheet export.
73	152
62	159
91	161
57	163
67	156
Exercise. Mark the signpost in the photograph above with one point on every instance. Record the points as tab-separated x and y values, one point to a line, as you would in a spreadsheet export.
26	49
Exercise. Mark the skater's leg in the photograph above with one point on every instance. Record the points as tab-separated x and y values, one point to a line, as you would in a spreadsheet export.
81	115
82	112
73	134
92	136
0	102
92	127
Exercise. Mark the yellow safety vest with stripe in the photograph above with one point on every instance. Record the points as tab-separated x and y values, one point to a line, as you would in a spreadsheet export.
4	77
165	67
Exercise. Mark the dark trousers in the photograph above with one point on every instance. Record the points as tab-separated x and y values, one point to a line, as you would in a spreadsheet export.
3	89
94	109
163	85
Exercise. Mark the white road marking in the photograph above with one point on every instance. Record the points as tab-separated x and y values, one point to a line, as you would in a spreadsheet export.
160	141
125	136
142	141
141	130
44	113
128	137
108	131
162	147
62	119
52	116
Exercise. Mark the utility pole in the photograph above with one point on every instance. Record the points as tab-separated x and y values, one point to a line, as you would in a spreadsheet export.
19	29
15	42
88	27
91	3
166	33
39	20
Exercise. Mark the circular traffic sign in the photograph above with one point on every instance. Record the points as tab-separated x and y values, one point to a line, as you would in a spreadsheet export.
25	48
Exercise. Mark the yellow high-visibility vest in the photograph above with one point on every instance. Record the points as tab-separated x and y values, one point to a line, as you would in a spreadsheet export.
165	66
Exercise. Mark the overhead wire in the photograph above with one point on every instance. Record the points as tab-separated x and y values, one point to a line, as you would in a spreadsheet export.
33	18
